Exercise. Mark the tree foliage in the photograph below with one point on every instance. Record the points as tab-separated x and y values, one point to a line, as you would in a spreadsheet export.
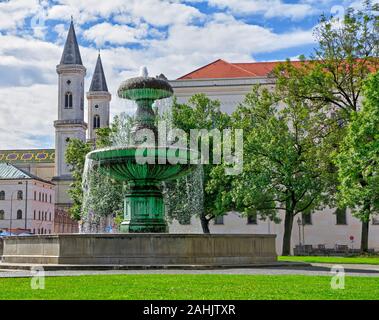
358	160
199	113
346	54
284	167
75	157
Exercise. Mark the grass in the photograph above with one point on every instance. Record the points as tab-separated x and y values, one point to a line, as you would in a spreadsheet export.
334	260
190	287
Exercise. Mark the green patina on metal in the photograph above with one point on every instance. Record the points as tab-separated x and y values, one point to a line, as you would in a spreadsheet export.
144	168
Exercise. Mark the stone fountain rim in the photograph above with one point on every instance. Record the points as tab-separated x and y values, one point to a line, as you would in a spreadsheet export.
145	83
133	149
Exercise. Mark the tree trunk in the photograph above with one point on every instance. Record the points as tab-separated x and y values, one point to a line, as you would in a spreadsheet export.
204	223
288	222
364	236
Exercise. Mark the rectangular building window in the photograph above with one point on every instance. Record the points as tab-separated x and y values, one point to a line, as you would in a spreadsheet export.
252	219
307	218
219	220
341	216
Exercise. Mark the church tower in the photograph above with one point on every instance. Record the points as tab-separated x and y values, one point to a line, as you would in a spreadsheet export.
98	101
70	123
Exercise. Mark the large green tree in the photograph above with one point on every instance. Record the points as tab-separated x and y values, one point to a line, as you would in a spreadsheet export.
199	113
75	157
284	163
331	80
346	53
358	160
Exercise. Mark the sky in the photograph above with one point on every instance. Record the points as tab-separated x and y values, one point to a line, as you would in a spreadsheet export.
172	37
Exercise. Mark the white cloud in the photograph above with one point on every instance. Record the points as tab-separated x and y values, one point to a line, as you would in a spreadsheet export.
269	8
13	13
28	79
115	34
22	124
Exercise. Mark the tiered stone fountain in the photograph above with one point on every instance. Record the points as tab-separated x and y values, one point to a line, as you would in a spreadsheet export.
145	242
144	207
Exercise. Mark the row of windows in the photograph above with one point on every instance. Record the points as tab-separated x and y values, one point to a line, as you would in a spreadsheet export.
41	216
20	195
18	216
41	231
250	219
42	197
306	219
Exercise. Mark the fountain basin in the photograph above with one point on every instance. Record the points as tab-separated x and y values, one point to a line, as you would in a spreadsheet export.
121	163
144	208
145	88
144	250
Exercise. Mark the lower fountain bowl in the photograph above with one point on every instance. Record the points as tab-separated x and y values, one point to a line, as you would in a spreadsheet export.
152	164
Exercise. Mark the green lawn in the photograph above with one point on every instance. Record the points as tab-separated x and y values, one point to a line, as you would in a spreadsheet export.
190	287
341	260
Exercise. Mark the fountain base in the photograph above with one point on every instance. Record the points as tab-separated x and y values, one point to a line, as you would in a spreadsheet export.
144	211
142	249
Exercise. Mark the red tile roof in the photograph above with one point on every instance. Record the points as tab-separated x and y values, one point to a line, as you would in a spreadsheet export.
223	69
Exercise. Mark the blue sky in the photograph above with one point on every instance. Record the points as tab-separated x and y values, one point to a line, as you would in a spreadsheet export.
172	37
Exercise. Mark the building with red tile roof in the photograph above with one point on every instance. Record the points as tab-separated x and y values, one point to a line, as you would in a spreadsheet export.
223	69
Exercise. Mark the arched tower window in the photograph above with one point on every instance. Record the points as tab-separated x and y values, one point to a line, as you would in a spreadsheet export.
1	214
2	195
19	214
68	100
19	195
96	121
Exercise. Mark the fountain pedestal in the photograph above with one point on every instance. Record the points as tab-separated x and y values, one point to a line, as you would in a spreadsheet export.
144	210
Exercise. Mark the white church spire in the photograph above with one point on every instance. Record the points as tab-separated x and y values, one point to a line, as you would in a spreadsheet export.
98	101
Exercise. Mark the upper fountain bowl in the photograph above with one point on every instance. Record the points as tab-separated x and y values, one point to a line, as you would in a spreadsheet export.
145	88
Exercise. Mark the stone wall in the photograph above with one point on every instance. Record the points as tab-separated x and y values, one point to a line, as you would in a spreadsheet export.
142	249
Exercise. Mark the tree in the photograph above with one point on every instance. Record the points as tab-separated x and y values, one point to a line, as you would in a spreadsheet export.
346	54
358	160
75	157
331	80
283	167
199	113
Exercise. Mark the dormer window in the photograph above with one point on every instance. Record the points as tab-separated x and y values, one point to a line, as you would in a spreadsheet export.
68	100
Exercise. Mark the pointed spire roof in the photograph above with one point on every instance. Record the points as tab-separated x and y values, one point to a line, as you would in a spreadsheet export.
71	53
99	83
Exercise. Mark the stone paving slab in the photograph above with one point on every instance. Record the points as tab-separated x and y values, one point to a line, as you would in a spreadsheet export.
308	270
61	267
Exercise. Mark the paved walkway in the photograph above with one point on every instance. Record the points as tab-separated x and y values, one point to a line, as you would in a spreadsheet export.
313	270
